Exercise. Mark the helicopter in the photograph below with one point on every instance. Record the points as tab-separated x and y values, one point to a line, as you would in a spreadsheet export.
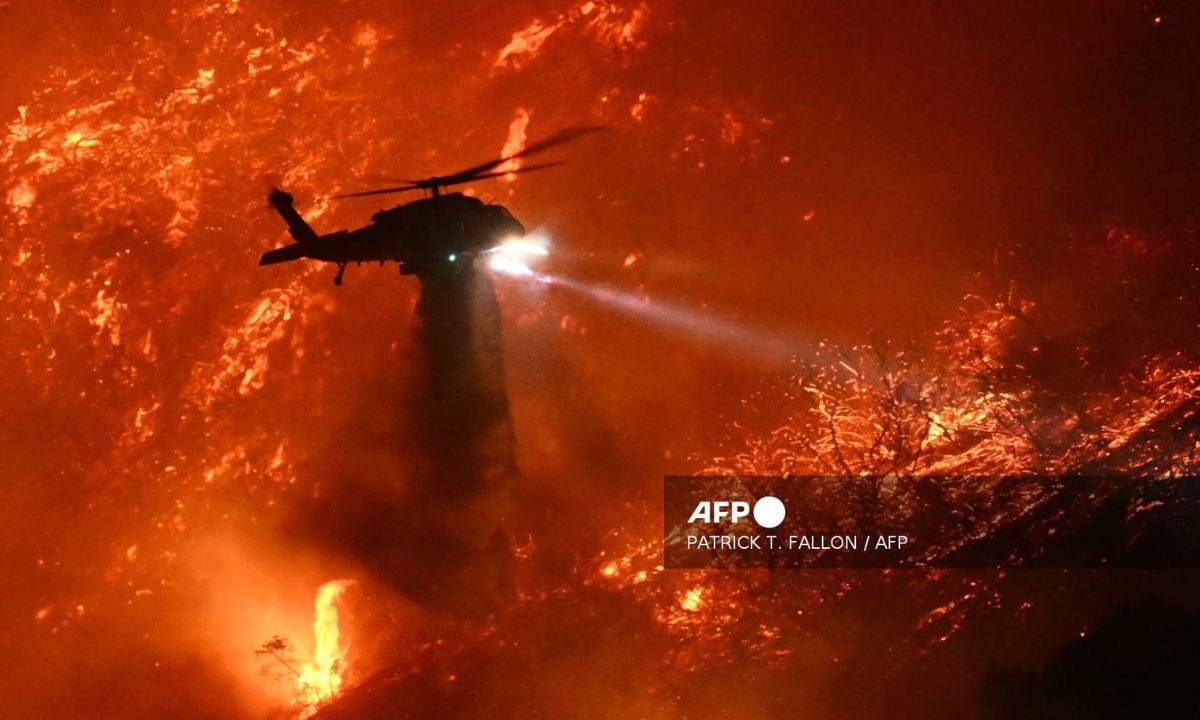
437	236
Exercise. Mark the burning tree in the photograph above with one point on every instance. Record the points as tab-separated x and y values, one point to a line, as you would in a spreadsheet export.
320	681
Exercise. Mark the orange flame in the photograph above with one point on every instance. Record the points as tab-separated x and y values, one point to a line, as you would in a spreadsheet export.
322	679
516	141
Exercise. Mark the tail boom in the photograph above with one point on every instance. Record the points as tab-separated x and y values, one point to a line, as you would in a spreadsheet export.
286	253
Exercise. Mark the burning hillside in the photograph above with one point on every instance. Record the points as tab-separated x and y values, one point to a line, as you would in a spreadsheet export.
406	514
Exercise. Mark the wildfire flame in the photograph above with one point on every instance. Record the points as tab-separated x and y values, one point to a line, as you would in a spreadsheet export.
516	141
162	394
321	680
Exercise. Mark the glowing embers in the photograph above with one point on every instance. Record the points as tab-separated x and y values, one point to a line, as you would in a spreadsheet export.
511	258
692	599
321	680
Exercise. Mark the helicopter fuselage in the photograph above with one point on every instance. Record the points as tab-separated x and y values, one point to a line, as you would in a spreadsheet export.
438	235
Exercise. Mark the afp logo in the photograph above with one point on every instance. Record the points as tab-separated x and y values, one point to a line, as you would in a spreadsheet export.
768	511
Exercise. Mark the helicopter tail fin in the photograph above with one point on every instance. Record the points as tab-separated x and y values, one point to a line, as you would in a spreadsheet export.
300	230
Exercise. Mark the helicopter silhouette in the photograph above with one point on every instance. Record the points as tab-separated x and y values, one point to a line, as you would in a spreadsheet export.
438	236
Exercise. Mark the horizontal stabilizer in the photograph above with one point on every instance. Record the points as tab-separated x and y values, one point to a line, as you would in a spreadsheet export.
283	254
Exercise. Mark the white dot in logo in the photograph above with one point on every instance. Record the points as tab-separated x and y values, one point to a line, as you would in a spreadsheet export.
768	511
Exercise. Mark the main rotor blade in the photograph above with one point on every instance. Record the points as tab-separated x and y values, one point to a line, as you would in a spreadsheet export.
480	172
384	191
559	138
501	173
